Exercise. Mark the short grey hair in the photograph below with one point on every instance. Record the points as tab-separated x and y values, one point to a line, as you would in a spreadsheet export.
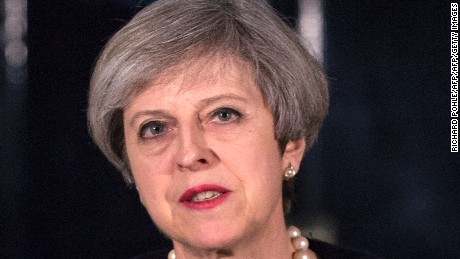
169	32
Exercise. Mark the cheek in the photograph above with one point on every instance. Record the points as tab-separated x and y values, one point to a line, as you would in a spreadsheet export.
257	164
150	185
152	178
151	175
153	191
144	163
262	185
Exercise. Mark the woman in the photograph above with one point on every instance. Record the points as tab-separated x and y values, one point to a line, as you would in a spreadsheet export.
207	106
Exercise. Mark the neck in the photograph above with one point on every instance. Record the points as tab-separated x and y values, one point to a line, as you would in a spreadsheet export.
269	240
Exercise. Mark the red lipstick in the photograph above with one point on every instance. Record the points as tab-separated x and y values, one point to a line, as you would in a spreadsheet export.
204	197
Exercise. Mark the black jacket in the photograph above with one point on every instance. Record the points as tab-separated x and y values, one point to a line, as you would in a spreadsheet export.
322	250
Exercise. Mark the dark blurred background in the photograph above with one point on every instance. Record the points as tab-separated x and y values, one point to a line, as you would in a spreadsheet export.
381	177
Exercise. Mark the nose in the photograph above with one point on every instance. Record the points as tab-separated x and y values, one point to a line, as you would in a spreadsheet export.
194	154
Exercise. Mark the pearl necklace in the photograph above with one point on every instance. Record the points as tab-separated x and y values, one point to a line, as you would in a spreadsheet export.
299	242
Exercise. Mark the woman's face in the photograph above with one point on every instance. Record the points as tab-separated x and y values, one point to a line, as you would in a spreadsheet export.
204	157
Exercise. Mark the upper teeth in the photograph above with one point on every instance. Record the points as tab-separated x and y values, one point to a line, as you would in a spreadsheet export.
207	195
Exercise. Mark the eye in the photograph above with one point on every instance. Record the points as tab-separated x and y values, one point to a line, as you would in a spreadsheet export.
224	115
152	129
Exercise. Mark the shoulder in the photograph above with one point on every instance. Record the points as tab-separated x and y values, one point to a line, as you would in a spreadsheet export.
327	251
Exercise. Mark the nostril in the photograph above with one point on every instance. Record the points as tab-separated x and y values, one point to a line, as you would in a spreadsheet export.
202	161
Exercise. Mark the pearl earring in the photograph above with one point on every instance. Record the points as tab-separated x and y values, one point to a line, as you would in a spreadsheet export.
290	172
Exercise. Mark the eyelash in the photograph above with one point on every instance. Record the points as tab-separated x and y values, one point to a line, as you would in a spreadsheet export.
233	115
151	125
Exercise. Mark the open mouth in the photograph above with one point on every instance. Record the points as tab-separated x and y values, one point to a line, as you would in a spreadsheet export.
204	196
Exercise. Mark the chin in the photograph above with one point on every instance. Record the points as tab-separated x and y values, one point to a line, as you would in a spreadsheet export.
214	236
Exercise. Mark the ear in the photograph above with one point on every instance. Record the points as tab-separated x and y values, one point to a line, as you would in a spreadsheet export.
293	153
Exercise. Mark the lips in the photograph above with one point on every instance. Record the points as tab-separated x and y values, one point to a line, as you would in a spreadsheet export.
205	196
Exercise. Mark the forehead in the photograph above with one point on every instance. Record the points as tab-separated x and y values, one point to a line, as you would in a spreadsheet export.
206	71
200	78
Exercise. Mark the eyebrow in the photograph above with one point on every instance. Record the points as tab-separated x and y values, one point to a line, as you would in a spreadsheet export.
202	103
155	113
211	100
